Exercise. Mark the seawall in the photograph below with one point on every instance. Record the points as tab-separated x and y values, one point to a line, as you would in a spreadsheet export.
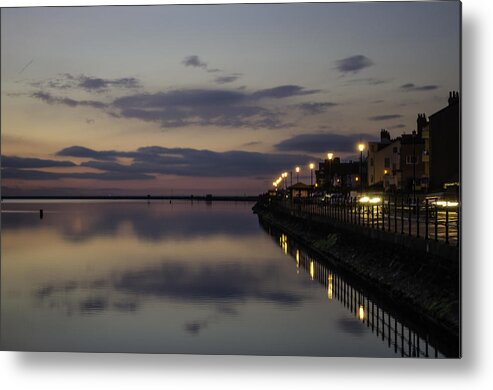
425	285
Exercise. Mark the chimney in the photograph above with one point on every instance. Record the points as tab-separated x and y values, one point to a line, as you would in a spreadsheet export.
421	122
384	136
453	98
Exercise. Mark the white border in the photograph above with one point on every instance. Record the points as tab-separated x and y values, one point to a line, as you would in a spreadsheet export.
83	371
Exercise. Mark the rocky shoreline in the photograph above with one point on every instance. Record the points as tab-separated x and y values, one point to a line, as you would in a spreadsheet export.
426	286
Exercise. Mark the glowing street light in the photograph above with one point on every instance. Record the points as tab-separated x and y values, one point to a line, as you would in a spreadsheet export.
330	156
312	165
284	176
361	147
361	313
297	169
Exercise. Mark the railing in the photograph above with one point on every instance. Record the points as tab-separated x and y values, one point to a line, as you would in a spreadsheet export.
404	340
400	215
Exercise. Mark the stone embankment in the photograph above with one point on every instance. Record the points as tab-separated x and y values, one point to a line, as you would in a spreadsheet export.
424	285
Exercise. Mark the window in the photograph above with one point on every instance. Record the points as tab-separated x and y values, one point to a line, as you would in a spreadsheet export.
410	160
371	162
387	162
395	149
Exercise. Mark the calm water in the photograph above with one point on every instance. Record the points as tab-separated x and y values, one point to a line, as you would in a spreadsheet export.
179	278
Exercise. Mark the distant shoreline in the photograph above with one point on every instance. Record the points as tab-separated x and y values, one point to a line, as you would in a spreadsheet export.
177	197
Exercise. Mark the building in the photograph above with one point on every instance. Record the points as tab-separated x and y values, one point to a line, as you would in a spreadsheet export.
334	175
384	162
441	153
300	190
412	176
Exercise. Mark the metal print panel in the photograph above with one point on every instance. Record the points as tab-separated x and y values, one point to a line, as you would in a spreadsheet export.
269	179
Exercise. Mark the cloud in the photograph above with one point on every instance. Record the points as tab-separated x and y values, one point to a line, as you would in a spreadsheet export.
151	160
88	83
83	152
413	87
26	162
96	83
283	91
196	107
226	79
22	174
322	142
208	107
50	99
316	108
194	61
384	117
366	81
353	64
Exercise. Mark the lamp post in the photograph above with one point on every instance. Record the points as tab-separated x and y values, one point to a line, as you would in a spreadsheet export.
285	175
414	166
297	169
361	147
312	165
330	156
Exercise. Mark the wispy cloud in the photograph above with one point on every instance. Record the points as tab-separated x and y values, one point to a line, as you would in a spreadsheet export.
226	79
87	83
23	174
414	87
283	91
367	81
384	117
316	108
194	61
322	142
353	64
50	99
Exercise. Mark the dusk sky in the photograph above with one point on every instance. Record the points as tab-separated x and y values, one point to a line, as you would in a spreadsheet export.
211	99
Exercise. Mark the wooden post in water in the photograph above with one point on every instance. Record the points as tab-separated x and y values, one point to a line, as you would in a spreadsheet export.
40	213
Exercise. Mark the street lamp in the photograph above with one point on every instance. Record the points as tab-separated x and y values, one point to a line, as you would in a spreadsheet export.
361	147
297	169
312	165
414	167
330	156
285	175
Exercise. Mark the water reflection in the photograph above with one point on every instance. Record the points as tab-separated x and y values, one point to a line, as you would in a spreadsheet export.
405	339
179	278
148	221
228	283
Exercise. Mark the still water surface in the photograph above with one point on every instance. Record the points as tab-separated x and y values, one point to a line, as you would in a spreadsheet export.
132	276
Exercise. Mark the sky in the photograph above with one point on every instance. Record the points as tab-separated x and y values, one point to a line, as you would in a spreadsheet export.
221	99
